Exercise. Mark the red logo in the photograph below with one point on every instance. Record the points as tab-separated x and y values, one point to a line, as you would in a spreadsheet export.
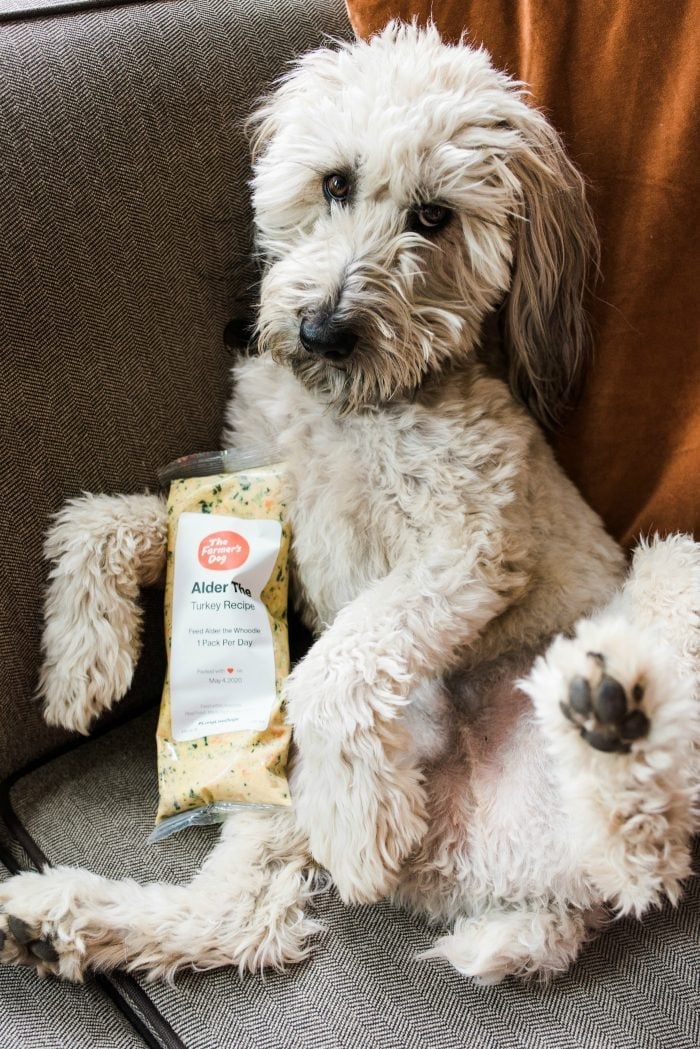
223	551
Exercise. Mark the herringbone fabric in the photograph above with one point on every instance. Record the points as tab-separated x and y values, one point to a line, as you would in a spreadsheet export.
636	987
124	251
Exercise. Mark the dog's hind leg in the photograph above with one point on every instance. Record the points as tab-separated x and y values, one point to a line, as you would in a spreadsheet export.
526	941
104	548
620	708
244	908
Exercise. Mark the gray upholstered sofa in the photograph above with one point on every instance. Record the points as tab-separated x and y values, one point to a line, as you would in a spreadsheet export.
124	251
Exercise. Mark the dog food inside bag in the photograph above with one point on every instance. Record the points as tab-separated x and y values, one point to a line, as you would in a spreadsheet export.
222	736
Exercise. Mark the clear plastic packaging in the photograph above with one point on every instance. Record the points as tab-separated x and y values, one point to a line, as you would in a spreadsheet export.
222	736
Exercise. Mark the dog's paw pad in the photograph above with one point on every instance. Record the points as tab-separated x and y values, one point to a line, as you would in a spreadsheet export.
12	950
43	950
609	717
20	930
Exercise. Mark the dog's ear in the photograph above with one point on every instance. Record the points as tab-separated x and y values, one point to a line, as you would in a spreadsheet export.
303	82
544	325
261	125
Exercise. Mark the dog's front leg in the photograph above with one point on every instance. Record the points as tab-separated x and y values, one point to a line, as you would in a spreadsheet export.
104	548
357	785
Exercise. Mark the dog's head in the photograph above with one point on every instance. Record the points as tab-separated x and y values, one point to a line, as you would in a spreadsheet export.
404	192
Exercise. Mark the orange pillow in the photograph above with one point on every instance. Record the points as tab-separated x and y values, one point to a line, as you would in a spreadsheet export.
620	82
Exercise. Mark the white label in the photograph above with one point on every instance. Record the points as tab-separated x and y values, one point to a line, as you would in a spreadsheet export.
222	662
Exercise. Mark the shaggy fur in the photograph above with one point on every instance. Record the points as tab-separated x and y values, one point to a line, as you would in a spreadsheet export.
477	642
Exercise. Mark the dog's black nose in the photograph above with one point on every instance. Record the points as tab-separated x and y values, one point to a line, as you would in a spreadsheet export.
321	335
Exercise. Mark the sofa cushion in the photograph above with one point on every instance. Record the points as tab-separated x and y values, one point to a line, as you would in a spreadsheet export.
636	987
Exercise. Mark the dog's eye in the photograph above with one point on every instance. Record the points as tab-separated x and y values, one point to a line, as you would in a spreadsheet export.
336	187
428	218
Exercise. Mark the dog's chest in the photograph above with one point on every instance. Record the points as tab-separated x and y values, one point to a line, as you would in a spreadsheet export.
361	488
349	508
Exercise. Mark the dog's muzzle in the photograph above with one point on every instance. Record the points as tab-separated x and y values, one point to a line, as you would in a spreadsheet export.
323	336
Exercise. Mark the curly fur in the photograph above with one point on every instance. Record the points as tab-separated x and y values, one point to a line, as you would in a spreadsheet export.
459	587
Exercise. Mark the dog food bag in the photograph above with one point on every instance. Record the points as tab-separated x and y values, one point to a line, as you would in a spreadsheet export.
222	736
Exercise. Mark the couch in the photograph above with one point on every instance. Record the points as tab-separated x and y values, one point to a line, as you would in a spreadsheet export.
125	251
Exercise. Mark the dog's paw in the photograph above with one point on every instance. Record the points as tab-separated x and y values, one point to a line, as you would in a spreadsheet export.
365	864
622	728
523	943
23	944
103	548
610	717
614	689
359	830
37	925
601	686
362	817
85	682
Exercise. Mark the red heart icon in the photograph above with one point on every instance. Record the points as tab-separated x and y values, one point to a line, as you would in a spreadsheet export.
229	670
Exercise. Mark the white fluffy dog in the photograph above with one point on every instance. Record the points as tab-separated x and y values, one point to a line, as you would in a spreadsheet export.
408	199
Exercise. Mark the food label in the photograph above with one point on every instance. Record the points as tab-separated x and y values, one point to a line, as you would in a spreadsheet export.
222	663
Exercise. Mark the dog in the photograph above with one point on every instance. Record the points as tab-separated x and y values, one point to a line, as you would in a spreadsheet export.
497	724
